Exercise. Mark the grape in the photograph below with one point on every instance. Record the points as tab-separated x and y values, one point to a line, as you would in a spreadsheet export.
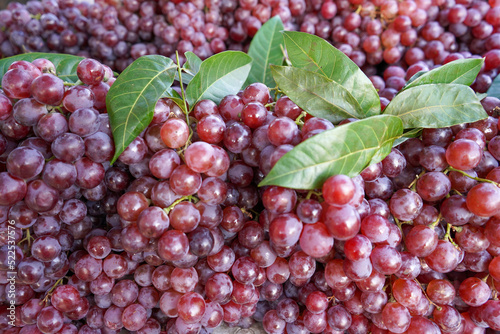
28	111
134	317
16	83
25	163
90	72
49	320
285	230
48	89
65	298
396	317
482	199
175	133
191	307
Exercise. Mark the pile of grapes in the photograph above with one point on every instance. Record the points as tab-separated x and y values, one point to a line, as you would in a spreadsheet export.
417	33
190	224
175	237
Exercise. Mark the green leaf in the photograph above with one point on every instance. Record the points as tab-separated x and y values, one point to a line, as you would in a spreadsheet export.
132	98
65	64
265	50
436	106
317	94
413	133
461	71
494	89
191	67
346	149
220	75
317	55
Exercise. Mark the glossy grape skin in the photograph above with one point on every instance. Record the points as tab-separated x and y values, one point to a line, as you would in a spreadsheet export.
12	189
285	230
343	222
48	89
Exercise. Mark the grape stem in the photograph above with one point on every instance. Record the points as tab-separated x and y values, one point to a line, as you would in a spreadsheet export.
470	176
414	182
27	238
49	293
312	192
299	121
425	294
182	199
182	87
436	222
448	236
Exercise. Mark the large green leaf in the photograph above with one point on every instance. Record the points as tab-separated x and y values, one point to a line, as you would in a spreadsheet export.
317	94
190	68
220	75
65	64
315	54
346	149
265	49
436	106
132	98
461	71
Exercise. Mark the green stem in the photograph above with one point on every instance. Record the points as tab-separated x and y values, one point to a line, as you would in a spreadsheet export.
413	184
27	238
182	88
448	237
425	294
49	293
182	199
312	192
436	222
472	177
299	121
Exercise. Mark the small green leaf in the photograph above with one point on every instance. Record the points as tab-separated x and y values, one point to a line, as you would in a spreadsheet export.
317	94
461	71
65	64
265	50
317	55
346	149
413	133
494	89
191	67
436	106
220	75
132	98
